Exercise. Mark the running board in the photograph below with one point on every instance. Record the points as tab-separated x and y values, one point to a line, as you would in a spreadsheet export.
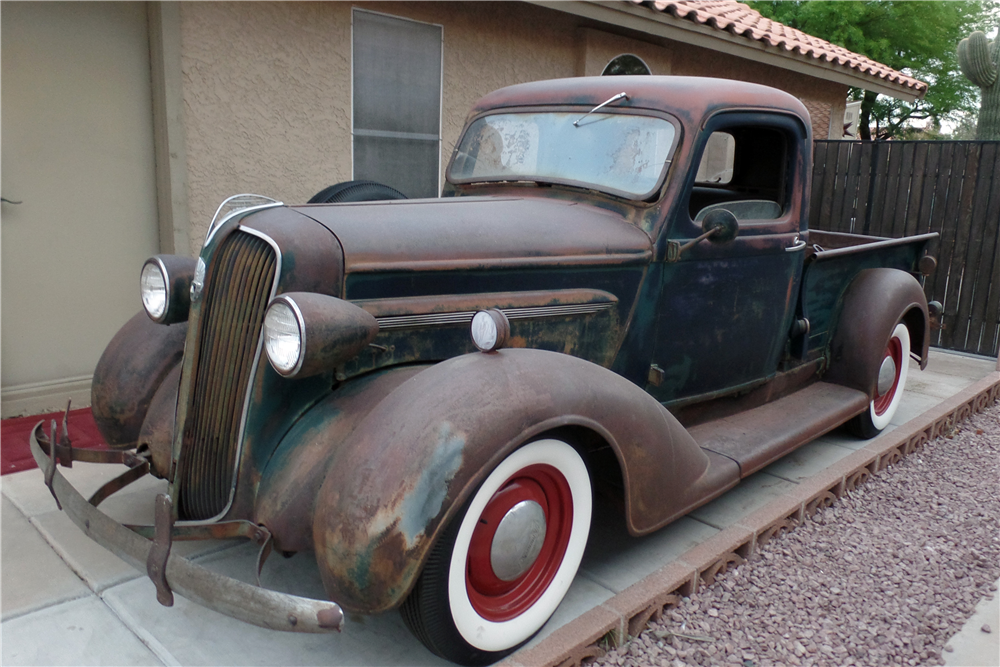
760	436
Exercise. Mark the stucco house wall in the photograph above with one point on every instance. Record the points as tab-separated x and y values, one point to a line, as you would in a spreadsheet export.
266	87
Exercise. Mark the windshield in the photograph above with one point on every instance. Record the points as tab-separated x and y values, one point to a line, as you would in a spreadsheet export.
613	152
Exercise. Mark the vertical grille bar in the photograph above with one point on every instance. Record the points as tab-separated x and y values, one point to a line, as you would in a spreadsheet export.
236	295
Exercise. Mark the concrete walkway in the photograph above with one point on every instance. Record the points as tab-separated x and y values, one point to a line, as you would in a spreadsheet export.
66	601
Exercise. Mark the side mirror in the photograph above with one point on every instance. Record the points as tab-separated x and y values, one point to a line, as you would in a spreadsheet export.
721	226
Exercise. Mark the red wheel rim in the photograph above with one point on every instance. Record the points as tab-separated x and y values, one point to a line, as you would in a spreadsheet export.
497	600
882	401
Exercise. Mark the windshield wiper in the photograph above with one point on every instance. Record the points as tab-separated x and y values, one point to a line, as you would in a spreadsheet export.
602	104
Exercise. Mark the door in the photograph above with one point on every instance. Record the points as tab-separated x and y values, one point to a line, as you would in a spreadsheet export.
725	308
77	141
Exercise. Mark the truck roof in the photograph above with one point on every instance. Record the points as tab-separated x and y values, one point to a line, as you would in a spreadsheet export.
690	98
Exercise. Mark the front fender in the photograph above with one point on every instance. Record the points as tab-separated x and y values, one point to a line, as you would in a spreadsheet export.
408	467
130	371
290	482
875	301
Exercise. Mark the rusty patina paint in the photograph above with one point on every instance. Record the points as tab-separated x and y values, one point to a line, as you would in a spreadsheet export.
873	304
311	260
409	466
292	477
130	371
369	461
157	430
335	331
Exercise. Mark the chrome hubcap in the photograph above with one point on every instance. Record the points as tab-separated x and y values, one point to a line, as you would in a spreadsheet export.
886	375
518	540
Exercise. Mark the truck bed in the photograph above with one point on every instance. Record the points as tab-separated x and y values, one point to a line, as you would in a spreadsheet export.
835	259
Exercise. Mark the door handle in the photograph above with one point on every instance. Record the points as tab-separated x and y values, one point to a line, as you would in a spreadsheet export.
799	244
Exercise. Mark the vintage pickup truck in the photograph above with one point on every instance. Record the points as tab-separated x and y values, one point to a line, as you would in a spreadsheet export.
617	292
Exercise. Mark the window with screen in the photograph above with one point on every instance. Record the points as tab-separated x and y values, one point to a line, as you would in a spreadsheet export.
397	102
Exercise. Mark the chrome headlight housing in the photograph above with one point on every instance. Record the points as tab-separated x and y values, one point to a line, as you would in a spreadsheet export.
306	334
165	288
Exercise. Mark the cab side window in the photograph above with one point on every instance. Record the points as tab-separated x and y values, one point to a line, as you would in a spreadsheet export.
744	170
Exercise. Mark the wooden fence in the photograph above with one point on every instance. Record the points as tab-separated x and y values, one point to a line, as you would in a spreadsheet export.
897	188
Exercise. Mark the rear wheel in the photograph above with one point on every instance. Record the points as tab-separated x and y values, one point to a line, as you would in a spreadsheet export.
888	387
502	567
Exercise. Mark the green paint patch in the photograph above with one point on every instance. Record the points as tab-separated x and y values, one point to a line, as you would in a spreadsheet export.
425	501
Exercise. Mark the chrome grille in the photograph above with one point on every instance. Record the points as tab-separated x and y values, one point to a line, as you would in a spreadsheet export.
236	294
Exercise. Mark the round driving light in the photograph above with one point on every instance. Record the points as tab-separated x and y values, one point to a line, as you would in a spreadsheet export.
153	289
490	330
283	338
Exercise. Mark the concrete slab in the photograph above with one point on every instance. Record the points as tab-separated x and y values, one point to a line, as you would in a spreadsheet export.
189	634
939	383
584	595
81	632
971	647
28	492
808	460
97	567
32	576
92	562
753	493
841	438
913	404
616	560
959	364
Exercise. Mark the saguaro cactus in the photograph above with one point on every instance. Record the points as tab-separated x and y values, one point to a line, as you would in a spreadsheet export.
979	59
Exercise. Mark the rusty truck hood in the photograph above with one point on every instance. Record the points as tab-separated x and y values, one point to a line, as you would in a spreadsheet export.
478	232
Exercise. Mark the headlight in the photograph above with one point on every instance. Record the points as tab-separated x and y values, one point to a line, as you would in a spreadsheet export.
283	336
306	334
165	288
153	288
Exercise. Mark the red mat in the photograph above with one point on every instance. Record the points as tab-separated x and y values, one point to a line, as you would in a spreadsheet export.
15	454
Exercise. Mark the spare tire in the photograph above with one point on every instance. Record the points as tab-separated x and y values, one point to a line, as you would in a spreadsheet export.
355	191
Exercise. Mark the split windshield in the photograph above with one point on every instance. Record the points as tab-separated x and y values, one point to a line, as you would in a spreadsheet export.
613	152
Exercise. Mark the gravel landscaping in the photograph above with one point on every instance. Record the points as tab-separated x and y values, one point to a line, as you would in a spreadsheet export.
883	577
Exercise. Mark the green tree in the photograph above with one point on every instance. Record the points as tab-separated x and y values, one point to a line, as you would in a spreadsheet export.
916	38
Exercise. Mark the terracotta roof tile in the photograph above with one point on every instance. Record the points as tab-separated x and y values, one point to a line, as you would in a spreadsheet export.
739	19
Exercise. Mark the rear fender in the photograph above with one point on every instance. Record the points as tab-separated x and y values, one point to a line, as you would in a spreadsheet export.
875	301
409	466
130	371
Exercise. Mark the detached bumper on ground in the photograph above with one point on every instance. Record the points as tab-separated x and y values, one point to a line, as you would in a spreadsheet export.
246	602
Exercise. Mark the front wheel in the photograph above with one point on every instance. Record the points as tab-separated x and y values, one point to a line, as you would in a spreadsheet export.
501	568
888	387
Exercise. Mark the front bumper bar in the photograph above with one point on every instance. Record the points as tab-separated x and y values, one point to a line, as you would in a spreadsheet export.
232	597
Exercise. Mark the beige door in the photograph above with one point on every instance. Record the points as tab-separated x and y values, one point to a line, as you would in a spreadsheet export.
77	150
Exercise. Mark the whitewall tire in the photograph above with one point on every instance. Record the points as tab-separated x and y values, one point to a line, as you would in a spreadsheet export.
503	566
889	385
